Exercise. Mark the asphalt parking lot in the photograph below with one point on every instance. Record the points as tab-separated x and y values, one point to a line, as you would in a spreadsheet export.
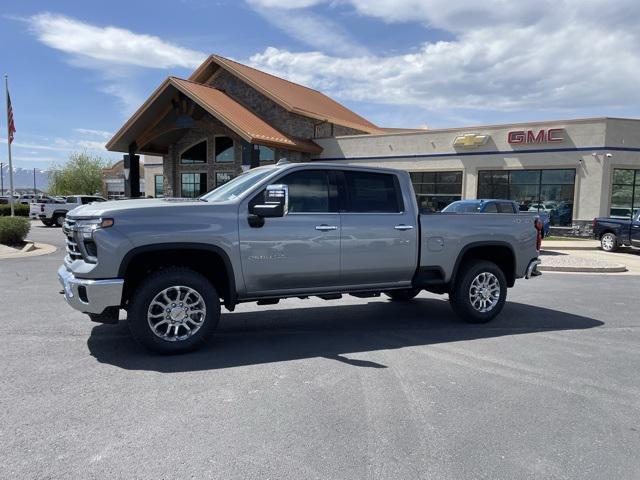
356	388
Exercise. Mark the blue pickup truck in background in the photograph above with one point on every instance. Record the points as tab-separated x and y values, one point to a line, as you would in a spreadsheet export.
497	206
616	232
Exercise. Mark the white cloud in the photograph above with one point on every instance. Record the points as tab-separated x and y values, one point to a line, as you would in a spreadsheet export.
109	44
116	55
285	4
504	56
93	133
315	30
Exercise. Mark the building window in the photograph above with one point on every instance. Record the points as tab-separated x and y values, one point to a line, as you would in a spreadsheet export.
625	192
436	190
158	182
195	154
224	150
193	184
550	191
266	154
223	177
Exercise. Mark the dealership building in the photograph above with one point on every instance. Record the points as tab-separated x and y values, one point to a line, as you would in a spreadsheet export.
228	117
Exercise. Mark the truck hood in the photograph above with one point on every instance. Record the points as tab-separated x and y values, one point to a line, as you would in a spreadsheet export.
113	208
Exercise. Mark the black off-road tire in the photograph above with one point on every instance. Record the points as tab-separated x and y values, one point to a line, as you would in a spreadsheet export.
155	283
460	294
403	295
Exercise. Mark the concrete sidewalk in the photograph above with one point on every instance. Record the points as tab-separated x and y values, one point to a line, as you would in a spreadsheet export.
570	244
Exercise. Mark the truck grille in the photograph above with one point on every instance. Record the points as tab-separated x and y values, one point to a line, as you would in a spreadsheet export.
73	252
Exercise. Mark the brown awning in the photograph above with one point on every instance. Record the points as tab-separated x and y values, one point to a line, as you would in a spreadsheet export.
236	117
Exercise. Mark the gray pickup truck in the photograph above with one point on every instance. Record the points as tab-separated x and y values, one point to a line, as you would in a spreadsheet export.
287	230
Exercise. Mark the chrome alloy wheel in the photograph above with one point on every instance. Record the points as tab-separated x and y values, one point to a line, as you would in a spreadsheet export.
176	313
484	292
608	242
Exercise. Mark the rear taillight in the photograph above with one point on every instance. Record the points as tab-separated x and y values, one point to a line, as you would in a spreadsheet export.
539	227
42	207
593	223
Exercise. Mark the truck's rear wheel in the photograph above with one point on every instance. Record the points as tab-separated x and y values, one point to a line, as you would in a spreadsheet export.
58	219
609	242
402	295
480	291
174	310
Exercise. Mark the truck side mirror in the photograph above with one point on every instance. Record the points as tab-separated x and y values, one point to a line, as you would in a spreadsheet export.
276	202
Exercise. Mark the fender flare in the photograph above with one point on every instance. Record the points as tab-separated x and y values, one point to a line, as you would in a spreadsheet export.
131	254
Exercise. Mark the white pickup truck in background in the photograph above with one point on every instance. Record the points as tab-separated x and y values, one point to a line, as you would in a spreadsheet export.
55	213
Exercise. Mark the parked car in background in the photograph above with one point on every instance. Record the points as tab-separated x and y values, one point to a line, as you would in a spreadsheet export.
286	230
27	198
4	199
616	232
497	206
55	213
542	207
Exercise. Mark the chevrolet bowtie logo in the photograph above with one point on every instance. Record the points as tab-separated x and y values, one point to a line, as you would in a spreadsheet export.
470	140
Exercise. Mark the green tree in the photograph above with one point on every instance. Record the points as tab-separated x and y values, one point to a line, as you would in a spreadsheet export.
81	175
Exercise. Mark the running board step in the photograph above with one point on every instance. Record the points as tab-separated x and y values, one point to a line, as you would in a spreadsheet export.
365	294
332	296
268	301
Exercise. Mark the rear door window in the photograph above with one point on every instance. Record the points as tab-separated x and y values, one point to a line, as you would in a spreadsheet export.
368	192
491	208
505	207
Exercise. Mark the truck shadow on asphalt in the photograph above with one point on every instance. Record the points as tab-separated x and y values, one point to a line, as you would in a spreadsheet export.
332	331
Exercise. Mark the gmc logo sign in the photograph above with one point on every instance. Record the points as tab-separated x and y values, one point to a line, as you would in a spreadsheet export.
529	136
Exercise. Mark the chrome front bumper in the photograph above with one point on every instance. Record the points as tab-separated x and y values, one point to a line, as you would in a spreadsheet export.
532	269
90	296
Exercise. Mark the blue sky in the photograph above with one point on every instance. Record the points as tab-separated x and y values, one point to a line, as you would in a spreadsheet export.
77	70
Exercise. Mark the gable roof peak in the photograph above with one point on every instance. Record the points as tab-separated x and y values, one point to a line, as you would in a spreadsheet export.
291	96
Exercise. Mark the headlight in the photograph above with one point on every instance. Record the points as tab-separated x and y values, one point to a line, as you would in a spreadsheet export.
87	227
84	234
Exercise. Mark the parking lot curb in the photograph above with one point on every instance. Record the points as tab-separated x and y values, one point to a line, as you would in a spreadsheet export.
563	246
35	250
615	268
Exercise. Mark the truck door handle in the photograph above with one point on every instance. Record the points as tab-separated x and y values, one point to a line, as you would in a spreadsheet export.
403	227
326	228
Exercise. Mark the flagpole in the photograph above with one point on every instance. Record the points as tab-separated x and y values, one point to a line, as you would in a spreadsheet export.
11	199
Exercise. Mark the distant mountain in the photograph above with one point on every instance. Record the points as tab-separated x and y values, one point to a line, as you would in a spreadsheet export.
23	178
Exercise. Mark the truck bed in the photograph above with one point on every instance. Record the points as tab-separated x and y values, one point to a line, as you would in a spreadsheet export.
445	235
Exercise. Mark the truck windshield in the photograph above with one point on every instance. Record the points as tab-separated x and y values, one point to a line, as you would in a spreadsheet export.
237	186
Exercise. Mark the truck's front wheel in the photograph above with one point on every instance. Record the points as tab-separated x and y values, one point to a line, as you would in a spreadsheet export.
480	291
174	310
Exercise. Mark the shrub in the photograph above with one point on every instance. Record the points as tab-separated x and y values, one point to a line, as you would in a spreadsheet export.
20	210
13	230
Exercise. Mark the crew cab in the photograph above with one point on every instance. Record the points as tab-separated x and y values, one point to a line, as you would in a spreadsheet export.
286	230
54	212
616	232
498	206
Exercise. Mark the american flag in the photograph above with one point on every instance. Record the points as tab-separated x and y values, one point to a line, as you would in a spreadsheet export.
12	125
